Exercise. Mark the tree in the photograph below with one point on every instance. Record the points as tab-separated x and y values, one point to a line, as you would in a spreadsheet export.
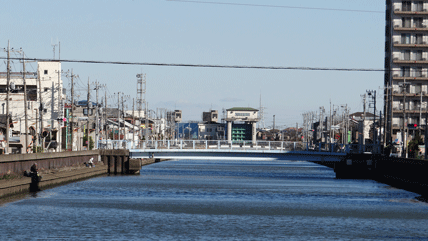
413	146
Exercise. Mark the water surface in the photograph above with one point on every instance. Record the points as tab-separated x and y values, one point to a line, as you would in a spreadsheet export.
217	200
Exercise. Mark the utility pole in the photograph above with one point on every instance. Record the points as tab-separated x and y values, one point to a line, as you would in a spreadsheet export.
133	123
59	111
329	136
364	120
297	130
273	123
123	119
118	115
404	134
97	87
96	115
41	109
7	99
89	104
25	102
105	115
146	134
72	107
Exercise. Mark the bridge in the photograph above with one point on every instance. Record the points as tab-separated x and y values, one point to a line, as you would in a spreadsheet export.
348	161
224	150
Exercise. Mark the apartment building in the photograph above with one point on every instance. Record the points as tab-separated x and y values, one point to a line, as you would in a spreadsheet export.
406	62
44	99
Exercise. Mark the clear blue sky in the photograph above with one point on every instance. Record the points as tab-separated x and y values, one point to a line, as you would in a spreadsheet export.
196	33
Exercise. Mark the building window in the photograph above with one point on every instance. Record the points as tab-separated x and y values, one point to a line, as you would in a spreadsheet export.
419	6
418	55
85	111
405	71
406	22
418	22
418	72
46	89
405	38
419	39
242	114
406	55
406	6
46	71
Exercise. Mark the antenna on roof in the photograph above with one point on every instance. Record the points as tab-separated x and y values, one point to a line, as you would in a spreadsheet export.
54	45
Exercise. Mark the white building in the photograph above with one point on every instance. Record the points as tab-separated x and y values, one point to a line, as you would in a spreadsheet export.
246	131
44	86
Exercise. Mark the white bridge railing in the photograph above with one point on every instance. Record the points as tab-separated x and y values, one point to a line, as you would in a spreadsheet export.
242	145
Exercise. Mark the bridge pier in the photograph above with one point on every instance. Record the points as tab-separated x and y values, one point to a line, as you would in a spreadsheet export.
356	166
118	162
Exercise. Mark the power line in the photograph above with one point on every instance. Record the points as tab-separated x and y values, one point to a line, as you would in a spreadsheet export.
277	6
205	65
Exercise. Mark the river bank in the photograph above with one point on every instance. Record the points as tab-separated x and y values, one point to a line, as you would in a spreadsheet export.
51	177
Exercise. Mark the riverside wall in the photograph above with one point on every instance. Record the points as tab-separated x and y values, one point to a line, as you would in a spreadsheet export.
403	173
62	167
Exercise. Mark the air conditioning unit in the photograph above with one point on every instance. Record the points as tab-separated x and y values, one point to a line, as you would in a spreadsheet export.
395	58
396	9
395	75
396	42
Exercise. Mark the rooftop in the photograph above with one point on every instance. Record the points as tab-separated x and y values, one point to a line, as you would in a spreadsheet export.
242	109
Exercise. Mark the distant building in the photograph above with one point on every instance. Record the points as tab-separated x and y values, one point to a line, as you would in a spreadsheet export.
210	129
241	124
210	117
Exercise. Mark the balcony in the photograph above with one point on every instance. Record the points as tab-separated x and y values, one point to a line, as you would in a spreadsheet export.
401	12
400	61
423	77
401	45
410	112
422	28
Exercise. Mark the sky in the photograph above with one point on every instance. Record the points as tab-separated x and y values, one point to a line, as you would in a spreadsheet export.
245	33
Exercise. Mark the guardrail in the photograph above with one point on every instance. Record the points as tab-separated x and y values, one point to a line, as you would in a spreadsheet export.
241	145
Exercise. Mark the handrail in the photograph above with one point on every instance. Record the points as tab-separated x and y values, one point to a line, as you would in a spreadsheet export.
281	146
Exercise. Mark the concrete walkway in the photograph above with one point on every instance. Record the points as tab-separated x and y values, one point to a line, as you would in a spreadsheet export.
67	174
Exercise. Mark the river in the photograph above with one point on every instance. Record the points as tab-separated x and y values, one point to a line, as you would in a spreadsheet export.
217	200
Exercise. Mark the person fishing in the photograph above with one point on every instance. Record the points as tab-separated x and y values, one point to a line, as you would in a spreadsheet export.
35	178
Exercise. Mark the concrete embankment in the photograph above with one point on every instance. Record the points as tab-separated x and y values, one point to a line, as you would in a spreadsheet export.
407	174
63	167
62	176
56	168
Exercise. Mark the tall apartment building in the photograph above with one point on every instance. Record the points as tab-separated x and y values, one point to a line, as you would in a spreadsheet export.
406	62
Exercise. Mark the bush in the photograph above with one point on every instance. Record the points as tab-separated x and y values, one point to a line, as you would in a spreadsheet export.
413	146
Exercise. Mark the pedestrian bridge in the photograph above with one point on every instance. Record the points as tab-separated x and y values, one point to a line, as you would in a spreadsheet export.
223	150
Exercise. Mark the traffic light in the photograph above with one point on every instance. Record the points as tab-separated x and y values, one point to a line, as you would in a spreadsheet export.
412	126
